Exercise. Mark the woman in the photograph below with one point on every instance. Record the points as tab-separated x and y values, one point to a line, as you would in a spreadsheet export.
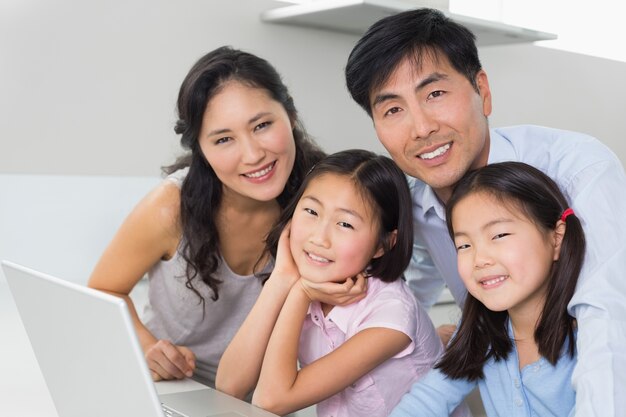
200	234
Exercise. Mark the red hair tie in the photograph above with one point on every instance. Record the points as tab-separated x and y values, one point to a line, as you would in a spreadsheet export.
566	213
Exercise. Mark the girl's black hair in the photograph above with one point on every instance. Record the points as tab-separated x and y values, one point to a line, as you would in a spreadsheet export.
483	334
201	192
382	183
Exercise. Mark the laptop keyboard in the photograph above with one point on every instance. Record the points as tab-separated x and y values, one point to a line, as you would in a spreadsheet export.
170	412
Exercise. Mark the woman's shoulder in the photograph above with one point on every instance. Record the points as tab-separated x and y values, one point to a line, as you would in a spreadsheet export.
159	211
177	177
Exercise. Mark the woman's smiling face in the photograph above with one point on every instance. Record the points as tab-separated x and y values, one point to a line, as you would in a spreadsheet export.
247	138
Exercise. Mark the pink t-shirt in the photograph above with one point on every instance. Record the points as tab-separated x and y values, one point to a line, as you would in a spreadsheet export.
389	305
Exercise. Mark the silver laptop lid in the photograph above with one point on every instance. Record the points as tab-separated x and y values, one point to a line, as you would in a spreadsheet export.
86	346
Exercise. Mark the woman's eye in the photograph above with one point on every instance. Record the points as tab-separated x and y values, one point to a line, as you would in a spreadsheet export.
311	211
392	110
346	225
500	235
222	140
262	126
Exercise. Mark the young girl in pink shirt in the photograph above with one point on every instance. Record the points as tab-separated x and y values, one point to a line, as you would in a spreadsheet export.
351	218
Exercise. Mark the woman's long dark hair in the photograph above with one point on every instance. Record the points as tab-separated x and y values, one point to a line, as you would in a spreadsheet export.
381	183
201	192
483	334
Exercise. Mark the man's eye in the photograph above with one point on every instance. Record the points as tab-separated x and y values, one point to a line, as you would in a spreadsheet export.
436	94
262	126
392	110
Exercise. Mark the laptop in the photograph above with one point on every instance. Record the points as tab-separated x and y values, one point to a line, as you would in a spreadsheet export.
90	357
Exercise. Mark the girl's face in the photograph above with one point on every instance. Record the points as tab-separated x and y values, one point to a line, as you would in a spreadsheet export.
503	257
334	231
247	138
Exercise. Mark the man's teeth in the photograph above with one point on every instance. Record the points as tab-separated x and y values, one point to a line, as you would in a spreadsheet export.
318	258
494	281
260	173
437	152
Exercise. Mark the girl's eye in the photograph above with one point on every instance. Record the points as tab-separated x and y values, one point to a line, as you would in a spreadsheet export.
500	236
311	211
346	225
262	126
462	246
436	94
392	110
222	140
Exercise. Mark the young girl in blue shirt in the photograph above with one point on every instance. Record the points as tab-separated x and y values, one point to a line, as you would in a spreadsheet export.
519	250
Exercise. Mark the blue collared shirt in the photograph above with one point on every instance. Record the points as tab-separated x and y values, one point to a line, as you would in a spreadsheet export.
593	181
539	389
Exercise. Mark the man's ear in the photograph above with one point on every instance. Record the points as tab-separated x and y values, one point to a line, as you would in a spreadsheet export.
559	233
482	82
391	241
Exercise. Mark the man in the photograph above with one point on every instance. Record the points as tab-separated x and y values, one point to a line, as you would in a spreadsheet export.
418	75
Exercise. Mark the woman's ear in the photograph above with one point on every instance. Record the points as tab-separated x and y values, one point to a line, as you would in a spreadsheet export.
559	232
391	241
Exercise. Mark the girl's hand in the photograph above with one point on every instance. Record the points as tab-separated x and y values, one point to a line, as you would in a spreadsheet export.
338	294
285	268
169	361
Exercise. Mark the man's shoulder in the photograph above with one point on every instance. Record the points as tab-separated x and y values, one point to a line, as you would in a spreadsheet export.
544	147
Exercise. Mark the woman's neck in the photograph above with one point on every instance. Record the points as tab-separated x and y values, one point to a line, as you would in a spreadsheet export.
243	225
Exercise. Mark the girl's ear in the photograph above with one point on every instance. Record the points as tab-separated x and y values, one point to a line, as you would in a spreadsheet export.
559	232
391	241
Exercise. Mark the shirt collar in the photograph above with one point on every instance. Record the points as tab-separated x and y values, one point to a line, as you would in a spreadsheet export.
340	315
343	316
500	150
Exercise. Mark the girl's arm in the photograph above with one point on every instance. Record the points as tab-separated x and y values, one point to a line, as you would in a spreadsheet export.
282	388
151	232
240	365
435	395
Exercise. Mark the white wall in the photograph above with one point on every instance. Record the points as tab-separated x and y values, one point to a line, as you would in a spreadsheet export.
89	88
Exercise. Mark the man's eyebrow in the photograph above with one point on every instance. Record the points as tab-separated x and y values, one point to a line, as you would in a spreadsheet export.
434	77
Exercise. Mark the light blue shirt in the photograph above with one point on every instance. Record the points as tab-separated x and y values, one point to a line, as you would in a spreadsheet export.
539	389
593	181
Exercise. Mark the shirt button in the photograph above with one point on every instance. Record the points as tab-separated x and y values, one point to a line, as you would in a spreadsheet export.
517	384
518	402
536	368
315	318
353	385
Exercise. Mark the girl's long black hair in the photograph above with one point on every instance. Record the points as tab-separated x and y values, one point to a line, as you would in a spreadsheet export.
201	192
483	334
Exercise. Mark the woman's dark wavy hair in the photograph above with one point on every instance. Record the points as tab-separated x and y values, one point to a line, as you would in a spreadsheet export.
483	334
416	35
201	191
384	186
